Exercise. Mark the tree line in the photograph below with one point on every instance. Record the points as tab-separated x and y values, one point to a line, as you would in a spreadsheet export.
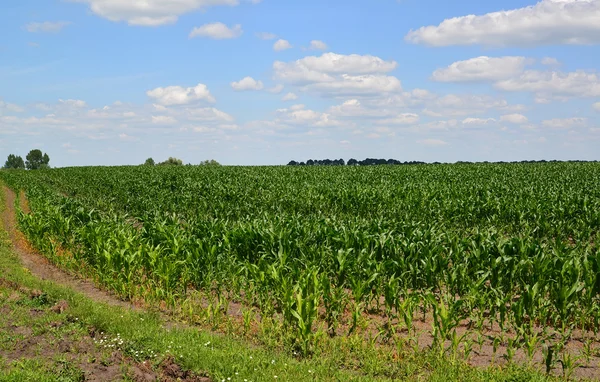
351	162
373	162
178	162
35	160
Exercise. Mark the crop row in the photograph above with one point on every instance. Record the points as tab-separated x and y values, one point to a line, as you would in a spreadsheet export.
512	245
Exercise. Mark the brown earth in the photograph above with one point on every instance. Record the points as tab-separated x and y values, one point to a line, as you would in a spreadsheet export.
68	351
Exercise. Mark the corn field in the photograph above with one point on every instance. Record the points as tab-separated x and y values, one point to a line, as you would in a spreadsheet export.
326	248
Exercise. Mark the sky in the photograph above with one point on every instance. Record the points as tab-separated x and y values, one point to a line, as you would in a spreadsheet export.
263	82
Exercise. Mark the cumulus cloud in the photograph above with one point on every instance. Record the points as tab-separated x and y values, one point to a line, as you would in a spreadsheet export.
247	83
46	26
454	105
349	85
281	44
477	121
550	61
481	69
337	74
332	63
401	119
518	119
564	123
177	95
101	123
203	114
596	106
10	107
317	45
163	120
149	12
354	108
289	97
217	31
547	22
75	103
276	89
299	115
578	84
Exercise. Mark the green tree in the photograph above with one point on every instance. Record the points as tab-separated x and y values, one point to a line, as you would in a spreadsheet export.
14	161
36	160
149	162
211	162
171	162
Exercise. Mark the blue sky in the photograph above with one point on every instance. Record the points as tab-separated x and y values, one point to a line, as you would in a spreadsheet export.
106	82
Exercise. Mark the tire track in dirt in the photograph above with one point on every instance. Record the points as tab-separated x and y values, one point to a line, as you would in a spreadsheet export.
40	267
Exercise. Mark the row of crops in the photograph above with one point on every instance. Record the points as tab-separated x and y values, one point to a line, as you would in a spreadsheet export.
511	245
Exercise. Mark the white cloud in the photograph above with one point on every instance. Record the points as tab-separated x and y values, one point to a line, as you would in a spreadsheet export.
564	123
432	142
266	36
332	63
552	83
547	22
276	89
477	121
203	114
317	45
454	105
349	85
247	83
281	44
518	119
114	119
73	103
481	69
149	12
217	31
289	97
46	26
299	115
126	137
337	74
177	95
596	106
10	107
401	119
550	61
163	120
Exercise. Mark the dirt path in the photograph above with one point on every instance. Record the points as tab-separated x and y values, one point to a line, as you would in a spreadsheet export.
40	267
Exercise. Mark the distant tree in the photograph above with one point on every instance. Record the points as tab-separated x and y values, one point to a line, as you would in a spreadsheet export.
293	163
36	160
352	162
14	161
211	162
149	162
171	162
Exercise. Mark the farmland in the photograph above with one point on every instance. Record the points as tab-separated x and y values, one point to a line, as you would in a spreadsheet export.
499	253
